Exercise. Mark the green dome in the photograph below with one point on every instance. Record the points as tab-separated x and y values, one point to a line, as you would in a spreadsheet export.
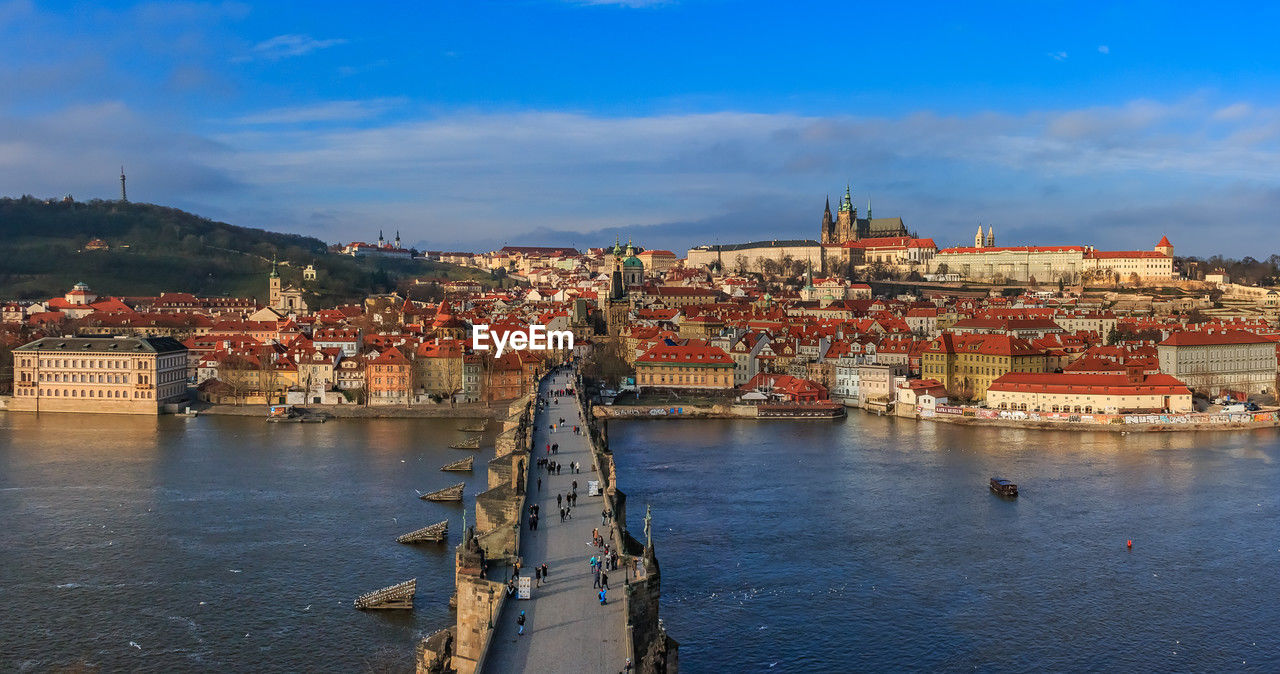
632	261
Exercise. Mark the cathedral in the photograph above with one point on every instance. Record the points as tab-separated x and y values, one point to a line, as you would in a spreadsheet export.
847	226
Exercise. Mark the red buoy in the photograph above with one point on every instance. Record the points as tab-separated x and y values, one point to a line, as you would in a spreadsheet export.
1130	545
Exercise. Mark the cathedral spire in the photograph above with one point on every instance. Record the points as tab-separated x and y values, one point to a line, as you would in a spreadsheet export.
977	238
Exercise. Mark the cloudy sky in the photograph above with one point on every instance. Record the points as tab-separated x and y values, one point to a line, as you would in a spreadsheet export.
470	124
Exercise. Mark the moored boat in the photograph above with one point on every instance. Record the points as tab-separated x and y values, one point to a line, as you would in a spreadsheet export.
1003	487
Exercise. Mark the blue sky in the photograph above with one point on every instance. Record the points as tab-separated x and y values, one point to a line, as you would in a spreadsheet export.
466	125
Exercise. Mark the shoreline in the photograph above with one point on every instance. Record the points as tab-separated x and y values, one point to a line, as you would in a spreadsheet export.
498	410
654	412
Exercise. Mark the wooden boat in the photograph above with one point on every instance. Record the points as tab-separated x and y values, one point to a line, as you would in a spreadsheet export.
433	534
453	493
469	443
474	428
1003	487
398	596
463	466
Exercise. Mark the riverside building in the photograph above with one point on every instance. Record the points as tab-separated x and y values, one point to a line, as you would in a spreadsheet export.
120	375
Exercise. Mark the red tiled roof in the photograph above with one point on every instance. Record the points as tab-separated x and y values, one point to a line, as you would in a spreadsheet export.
686	354
1110	384
1223	338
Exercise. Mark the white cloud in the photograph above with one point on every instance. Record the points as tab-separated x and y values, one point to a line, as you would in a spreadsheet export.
331	111
1058	55
287	46
466	179
1104	49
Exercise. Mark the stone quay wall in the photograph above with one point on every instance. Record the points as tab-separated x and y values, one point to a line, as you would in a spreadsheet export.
494	539
652	650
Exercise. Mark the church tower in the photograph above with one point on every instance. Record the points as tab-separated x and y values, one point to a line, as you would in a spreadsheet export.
381	241
828	225
618	305
991	236
977	238
1164	246
273	285
397	238
846	219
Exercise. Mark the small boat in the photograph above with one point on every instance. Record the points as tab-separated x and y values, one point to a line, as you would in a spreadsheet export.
469	443
463	466
188	413
475	428
1003	487
453	493
398	596
433	534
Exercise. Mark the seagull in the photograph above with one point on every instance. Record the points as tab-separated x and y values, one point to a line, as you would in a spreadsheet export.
135	645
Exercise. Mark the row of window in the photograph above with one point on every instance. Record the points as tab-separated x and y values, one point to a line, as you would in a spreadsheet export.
80	378
100	364
82	393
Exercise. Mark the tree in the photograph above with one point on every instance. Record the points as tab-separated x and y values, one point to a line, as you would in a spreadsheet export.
1113	335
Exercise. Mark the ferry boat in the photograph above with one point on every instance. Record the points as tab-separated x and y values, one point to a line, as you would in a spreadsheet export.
1003	487
813	410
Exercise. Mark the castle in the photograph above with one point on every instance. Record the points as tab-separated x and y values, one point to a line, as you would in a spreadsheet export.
847	226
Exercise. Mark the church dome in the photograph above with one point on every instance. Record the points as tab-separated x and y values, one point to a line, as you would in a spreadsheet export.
632	261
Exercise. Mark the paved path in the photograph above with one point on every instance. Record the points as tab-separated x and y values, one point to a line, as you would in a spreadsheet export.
566	628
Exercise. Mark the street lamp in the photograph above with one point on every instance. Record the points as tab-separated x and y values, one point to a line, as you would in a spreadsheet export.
491	606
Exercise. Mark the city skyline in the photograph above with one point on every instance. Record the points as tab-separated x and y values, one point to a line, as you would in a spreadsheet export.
673	123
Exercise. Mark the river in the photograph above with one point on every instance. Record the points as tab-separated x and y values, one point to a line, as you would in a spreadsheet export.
219	543
867	544
873	544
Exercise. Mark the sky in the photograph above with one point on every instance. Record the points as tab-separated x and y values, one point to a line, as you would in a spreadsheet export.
473	124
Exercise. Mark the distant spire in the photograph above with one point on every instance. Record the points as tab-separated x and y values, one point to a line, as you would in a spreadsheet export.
828	208
274	273
124	196
868	207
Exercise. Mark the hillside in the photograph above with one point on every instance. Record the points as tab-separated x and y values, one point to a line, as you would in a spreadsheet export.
155	249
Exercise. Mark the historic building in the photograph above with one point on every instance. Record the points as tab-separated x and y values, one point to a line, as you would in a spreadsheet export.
887	239
1227	360
985	261
617	304
282	298
846	226
1132	392
693	365
967	364
381	249
121	375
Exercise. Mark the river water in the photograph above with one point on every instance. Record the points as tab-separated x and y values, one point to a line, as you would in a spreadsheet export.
219	543
873	544
868	544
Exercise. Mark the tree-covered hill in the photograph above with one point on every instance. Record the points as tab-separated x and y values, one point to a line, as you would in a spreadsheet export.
153	249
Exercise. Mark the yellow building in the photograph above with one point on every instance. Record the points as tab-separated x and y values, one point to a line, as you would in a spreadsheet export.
967	364
686	366
124	375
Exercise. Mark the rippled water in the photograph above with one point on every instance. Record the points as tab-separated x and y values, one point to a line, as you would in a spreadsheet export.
218	543
870	544
873	544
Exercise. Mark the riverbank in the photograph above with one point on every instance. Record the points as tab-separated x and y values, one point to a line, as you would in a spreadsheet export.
973	416
497	410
